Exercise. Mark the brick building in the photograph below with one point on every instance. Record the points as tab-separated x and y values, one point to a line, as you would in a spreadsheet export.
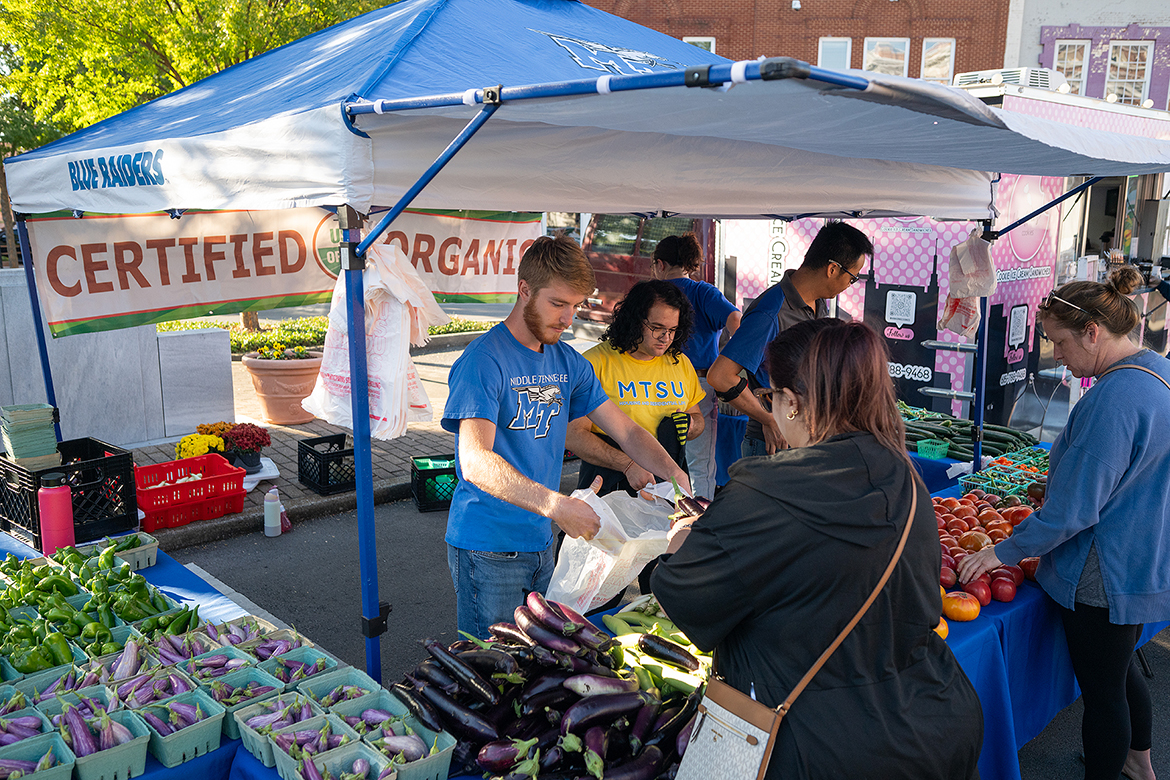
920	38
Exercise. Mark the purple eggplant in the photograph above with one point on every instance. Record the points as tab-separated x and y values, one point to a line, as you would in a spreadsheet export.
642	723
80	736
489	661
644	766
467	677
542	634
410	747
548	681
589	634
419	707
501	755
595	750
555	699
10	766
684	737
665	737
430	671
510	632
458	719
585	685
665	650
543	611
601	708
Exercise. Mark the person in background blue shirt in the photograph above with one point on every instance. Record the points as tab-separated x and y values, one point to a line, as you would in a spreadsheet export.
675	259
1103	532
833	262
513	392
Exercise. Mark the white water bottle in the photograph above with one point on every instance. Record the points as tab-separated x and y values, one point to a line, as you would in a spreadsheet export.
272	513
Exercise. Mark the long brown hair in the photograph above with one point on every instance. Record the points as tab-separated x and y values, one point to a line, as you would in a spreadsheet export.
842	379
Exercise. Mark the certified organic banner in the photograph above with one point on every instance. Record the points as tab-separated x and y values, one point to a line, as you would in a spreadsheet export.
107	272
465	255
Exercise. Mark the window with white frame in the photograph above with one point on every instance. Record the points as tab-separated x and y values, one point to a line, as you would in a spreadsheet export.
835	53
700	41
938	60
1071	60
887	55
1129	71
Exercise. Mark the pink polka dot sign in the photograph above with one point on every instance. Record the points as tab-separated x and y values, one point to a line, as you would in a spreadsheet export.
1026	195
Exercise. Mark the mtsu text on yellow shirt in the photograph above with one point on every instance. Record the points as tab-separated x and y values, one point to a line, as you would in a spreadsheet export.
646	390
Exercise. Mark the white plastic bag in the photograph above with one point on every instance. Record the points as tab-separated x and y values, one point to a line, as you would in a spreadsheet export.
972	276
633	533
398	311
960	315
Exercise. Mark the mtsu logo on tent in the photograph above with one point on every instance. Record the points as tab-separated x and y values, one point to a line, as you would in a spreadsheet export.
610	59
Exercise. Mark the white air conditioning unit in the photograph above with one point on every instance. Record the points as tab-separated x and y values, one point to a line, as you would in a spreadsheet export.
1040	78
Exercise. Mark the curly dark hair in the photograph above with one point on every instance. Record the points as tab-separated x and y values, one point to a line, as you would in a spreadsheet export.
625	332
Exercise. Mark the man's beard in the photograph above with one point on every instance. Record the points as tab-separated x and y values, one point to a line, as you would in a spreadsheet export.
536	327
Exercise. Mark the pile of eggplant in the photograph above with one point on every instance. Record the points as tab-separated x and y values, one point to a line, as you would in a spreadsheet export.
547	697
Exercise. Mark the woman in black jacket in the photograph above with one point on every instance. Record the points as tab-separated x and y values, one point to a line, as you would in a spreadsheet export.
793	546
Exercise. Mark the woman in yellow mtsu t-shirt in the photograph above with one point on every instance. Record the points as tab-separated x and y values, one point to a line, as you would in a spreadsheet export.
643	370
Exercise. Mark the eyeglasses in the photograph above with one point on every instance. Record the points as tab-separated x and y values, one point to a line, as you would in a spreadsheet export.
1046	304
657	331
852	276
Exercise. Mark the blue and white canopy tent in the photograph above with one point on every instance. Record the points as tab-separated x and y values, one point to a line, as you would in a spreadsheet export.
595	114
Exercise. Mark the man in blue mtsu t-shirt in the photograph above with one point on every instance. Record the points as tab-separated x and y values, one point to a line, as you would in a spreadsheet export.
512	395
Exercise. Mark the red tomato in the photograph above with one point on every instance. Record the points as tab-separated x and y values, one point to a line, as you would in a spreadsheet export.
974	494
996	535
965	501
1029	566
948	561
1017	514
960	606
989	515
964	512
991	498
1003	589
957	528
1016	572
942	524
973	541
950	502
958	554
980	590
947	578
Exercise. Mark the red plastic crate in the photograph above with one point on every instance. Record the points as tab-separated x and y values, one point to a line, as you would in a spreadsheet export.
172	505
182	514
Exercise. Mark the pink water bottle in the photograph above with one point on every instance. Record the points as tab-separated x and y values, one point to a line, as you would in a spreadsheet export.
55	500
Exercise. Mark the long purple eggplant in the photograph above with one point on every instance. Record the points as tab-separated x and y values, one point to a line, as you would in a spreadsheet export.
595	750
666	736
430	671
542	635
585	685
458	718
602	708
470	679
644	766
546	682
684	737
410	747
589	634
642	723
665	650
499	756
542	610
555	699
510	632
422	711
488	661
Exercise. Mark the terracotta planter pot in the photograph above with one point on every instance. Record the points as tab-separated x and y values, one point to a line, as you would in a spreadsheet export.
282	384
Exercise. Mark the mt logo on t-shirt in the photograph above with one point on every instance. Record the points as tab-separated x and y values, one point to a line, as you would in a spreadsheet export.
536	406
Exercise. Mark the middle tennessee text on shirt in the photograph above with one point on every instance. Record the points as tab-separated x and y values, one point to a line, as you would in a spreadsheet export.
540	379
651	389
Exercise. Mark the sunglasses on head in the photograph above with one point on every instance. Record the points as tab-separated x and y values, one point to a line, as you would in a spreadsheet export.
1046	304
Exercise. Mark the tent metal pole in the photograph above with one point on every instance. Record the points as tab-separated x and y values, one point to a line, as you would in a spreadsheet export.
440	162
38	326
994	234
373	612
980	387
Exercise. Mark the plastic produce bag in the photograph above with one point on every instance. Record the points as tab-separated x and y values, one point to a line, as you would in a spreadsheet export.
972	276
399	309
633	533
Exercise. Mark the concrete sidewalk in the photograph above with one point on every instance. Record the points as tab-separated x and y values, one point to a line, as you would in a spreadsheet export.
391	459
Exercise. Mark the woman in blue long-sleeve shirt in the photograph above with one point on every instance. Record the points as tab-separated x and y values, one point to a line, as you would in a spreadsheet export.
1103	533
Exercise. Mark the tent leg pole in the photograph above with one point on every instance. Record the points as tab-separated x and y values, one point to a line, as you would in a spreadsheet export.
440	162
980	385
38	326
373	614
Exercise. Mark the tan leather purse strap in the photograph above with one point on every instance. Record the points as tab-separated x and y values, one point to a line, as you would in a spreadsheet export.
1139	368
804	681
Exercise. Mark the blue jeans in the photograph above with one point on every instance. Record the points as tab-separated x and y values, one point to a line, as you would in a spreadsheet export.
490	585
751	447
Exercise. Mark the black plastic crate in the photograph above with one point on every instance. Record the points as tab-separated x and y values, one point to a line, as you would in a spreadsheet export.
325	465
101	477
431	487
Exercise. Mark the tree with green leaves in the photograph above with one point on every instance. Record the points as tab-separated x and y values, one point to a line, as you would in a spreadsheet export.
66	64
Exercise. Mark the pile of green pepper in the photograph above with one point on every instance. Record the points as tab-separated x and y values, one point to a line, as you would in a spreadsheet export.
30	643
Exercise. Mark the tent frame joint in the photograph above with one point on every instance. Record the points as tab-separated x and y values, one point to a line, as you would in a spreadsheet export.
491	95
698	76
776	68
376	626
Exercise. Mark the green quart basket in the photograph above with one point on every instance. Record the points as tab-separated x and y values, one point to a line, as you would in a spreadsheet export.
934	449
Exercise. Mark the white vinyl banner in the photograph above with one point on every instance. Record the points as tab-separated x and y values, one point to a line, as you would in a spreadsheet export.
465	255
105	272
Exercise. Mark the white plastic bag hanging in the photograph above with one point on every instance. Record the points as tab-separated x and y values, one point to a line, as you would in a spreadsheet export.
398	311
633	533
972	276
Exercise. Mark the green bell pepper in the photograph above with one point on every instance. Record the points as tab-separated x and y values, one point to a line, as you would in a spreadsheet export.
31	661
106	559
58	583
58	649
96	632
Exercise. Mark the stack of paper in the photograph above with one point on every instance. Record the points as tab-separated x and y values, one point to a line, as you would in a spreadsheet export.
29	439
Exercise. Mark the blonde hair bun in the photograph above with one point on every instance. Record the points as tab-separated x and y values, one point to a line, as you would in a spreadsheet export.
1126	279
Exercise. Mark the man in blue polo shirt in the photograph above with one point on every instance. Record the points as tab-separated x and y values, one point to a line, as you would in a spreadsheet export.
833	262
512	395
